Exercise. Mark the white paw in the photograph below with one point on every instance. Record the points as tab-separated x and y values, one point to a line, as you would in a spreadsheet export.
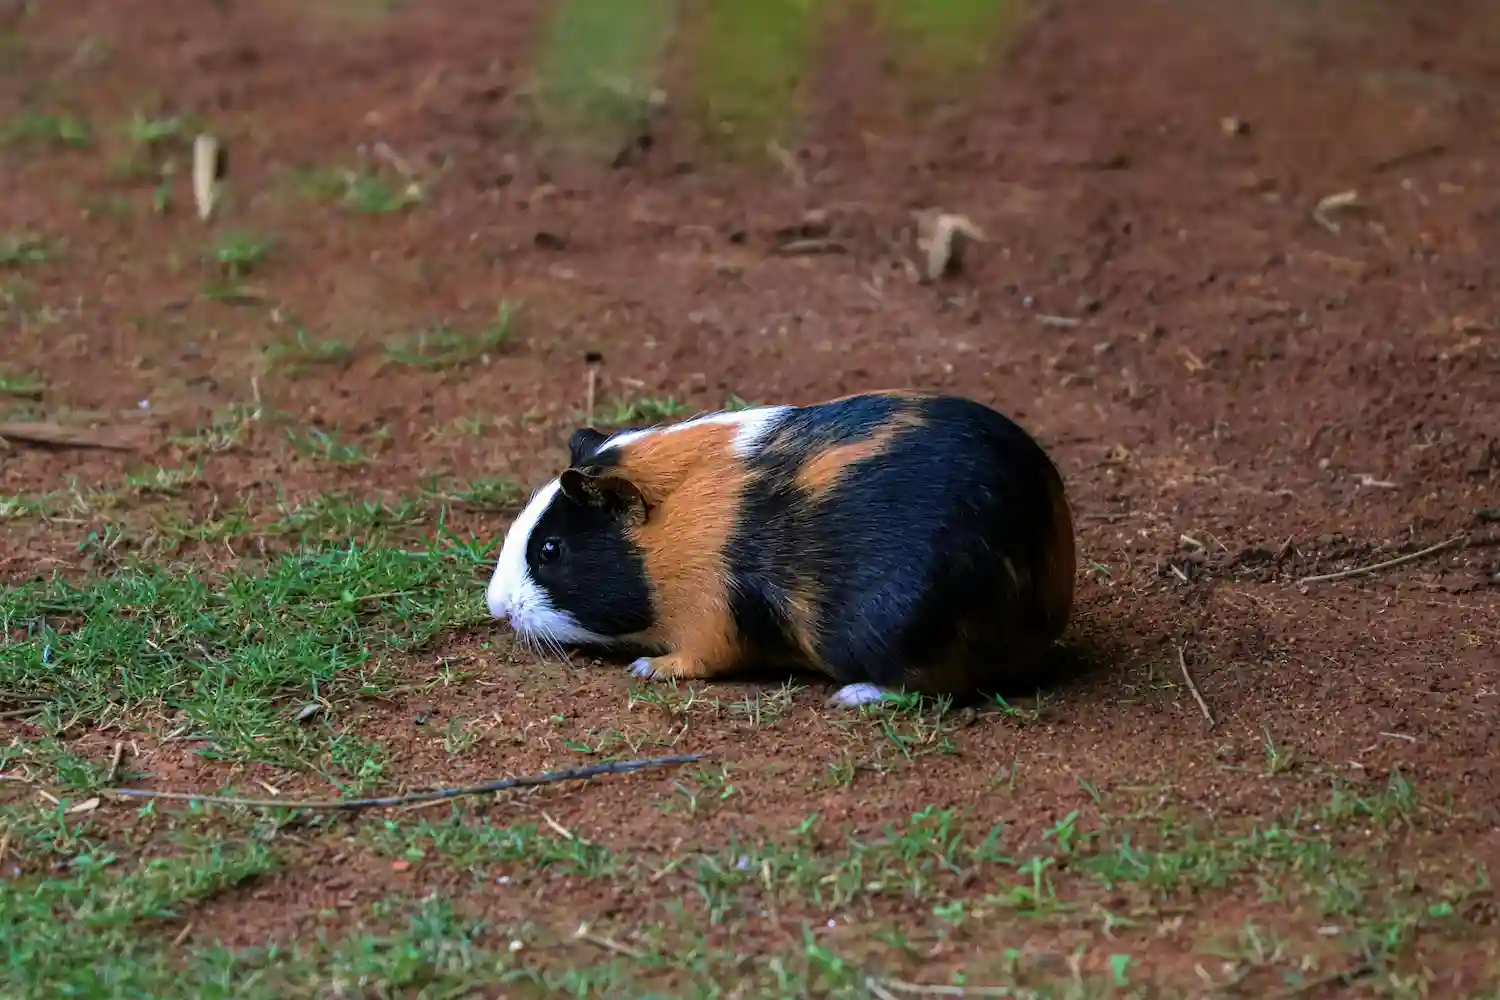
851	695
642	668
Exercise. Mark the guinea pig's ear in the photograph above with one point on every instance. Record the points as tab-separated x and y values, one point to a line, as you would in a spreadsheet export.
584	442
591	487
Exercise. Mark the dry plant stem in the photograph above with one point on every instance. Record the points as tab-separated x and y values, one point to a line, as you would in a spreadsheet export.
350	805
115	760
588	412
1193	688
1388	564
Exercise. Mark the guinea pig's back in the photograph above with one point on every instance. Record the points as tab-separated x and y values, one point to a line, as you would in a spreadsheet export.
894	521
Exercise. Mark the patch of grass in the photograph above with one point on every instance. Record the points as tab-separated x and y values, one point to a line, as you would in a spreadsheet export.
326	446
24	386
480	843
597	64
444	346
33	127
296	355
147	132
162	481
19	249
492	493
153	145
18	507
750	58
80	934
943	39
223	659
227	431
330	515
237	254
642	410
867	903
363	191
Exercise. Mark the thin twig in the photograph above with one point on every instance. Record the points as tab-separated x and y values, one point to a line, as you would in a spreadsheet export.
504	784
589	403
1193	688
1389	563
610	944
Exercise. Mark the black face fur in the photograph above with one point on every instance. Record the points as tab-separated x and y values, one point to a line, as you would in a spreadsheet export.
580	555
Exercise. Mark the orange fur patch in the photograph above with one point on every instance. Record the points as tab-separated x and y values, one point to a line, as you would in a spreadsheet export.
692	482
823	472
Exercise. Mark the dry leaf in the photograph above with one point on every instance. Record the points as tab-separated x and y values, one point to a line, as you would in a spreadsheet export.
87	805
1334	203
941	237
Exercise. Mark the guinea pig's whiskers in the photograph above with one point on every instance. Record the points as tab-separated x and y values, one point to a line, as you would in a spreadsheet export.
557	648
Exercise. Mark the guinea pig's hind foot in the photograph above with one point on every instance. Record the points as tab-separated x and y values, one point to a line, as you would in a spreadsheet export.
851	695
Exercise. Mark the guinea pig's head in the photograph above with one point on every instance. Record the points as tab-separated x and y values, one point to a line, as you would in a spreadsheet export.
569	570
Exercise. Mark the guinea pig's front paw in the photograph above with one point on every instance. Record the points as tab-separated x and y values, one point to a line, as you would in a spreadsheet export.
666	668
851	695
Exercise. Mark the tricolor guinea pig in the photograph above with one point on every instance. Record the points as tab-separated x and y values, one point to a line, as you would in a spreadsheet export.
890	541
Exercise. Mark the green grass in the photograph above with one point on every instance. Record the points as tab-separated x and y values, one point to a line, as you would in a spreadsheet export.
37	128
641	410
750	58
220	659
146	132
237	255
599	59
947	38
868	906
444	346
325	446
361	191
300	353
24	386
597	65
79	934
18	249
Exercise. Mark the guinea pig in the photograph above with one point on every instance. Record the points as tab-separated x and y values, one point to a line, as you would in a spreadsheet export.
891	541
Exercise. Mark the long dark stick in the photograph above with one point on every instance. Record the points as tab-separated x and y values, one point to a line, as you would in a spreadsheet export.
434	795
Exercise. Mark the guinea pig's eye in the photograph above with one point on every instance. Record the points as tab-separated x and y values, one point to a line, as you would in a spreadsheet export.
550	550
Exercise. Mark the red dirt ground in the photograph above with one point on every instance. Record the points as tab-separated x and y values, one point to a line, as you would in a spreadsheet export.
1238	394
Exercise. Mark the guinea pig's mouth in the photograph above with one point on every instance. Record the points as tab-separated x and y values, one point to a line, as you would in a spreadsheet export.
539	627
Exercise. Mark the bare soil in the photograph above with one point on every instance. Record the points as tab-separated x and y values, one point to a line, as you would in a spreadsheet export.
1241	391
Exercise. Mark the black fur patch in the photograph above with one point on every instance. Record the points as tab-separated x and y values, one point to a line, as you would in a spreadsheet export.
582	444
596	575
907	549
